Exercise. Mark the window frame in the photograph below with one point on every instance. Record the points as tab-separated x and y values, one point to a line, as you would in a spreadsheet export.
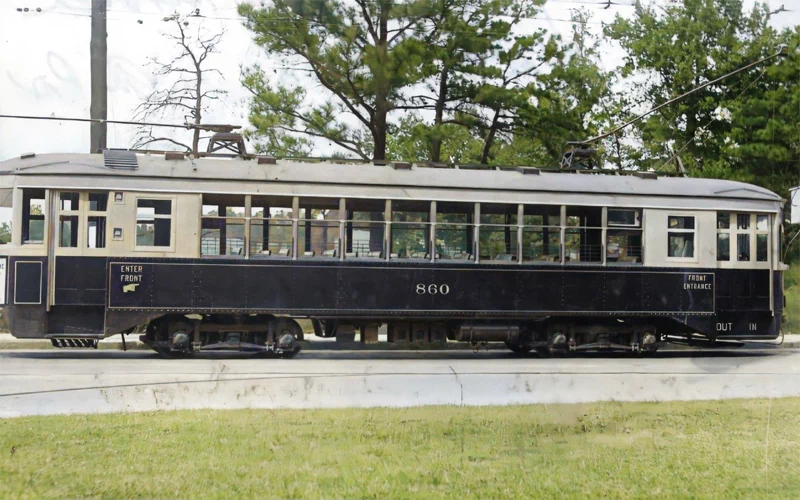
752	233
667	230
69	213
82	214
765	232
172	216
266	223
26	216
630	229
732	220
230	220
86	213
636	211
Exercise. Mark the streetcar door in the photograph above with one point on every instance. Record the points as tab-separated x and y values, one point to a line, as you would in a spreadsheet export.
51	238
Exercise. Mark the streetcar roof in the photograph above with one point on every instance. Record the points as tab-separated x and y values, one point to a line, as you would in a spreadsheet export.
156	169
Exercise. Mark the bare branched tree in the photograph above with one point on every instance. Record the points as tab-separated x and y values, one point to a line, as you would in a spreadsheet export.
182	80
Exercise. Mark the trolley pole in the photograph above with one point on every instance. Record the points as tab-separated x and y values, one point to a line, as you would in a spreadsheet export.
98	49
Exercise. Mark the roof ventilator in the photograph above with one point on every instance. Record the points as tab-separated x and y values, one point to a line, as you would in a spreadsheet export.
267	160
401	165
647	175
120	160
528	170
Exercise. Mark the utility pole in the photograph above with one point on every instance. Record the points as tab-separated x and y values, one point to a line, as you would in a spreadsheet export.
98	49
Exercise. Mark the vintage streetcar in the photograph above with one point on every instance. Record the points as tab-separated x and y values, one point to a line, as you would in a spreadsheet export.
211	253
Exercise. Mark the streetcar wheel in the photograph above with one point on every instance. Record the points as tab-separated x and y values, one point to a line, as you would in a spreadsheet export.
287	326
518	348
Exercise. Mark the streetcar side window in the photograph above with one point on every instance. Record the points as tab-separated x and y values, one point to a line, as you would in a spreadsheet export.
271	226
33	215
318	228
153	223
723	237
681	236
223	225
365	228
498	232
583	235
624	238
411	227
541	234
455	231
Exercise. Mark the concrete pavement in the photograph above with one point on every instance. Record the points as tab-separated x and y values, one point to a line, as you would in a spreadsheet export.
35	382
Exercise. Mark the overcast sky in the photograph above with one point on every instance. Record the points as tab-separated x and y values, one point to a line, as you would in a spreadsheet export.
44	62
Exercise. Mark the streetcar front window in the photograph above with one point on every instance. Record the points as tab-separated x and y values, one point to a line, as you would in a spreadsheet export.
33	215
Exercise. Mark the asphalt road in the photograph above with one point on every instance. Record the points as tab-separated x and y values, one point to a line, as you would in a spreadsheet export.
40	382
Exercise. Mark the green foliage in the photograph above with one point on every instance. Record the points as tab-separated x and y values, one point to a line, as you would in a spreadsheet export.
467	81
278	116
743	128
411	138
518	97
5	233
352	50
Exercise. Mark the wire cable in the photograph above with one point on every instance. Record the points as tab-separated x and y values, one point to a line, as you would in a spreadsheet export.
713	118
189	126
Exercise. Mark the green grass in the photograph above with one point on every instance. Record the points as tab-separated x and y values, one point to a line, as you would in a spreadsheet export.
719	449
791	282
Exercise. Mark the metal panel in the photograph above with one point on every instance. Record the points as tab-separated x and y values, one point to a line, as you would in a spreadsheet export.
380	192
339	173
28	277
410	289
80	281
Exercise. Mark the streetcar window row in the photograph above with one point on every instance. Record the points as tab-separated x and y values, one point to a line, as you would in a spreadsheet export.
263	226
268	227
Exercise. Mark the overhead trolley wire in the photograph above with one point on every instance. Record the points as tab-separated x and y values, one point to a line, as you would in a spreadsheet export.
289	20
188	126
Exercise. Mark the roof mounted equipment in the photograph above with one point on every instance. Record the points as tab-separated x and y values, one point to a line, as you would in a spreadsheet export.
225	138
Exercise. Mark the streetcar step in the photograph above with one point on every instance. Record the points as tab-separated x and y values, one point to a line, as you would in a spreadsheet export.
79	342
